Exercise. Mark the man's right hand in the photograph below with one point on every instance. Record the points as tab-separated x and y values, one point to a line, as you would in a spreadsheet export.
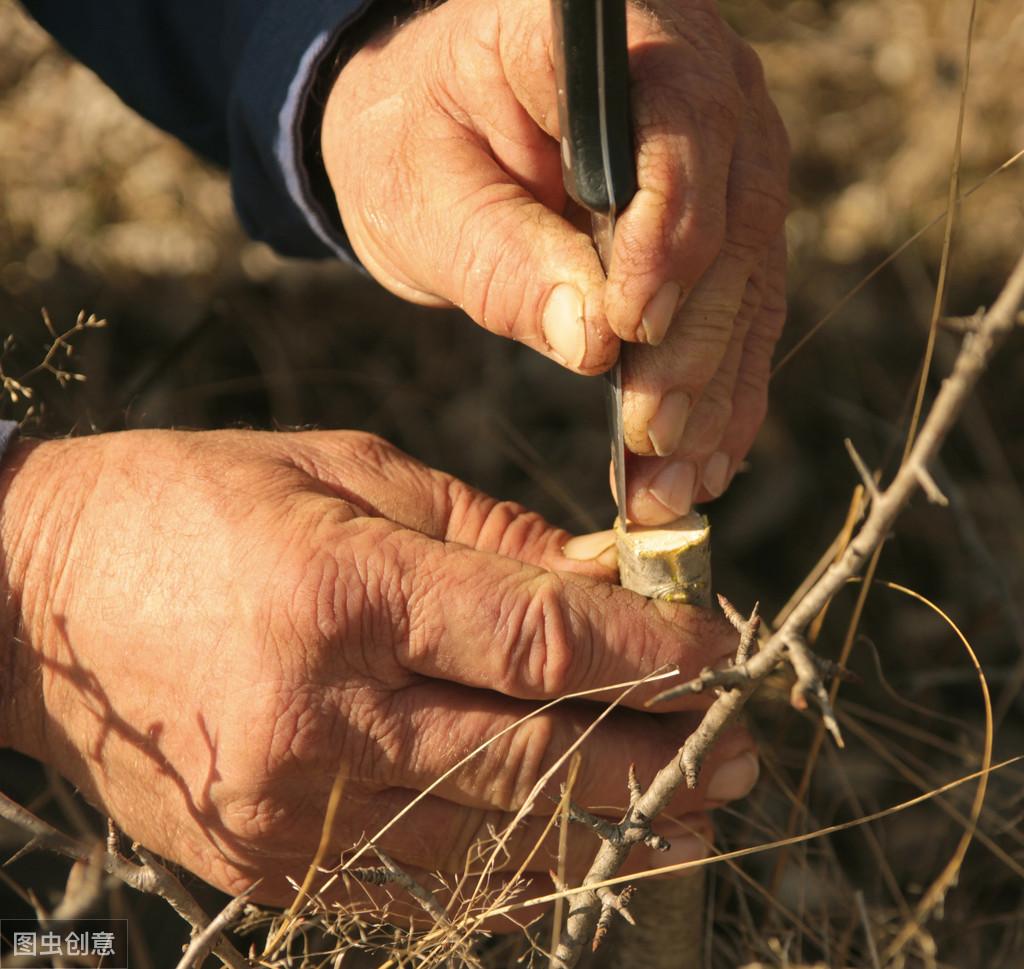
208	627
441	138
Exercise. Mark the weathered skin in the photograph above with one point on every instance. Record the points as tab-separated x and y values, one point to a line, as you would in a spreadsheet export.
441	140
206	627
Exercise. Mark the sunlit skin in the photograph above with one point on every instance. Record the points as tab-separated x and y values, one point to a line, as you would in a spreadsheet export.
441	139
211	626
205	629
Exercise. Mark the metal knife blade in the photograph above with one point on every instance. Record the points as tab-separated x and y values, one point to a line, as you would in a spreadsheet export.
598	163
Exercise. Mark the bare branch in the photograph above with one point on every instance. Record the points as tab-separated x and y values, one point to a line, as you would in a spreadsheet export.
201	944
424	898
738	682
150	878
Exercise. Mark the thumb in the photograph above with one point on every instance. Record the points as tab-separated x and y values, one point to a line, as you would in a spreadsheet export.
517	268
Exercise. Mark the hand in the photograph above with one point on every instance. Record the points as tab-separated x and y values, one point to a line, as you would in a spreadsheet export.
441	141
213	625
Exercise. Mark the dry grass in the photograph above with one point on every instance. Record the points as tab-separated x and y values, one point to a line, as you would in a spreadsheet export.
99	210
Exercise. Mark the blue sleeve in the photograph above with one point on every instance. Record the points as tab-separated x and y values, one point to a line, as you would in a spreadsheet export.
231	79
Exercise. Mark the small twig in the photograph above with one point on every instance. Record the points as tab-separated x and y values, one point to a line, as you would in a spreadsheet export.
929	487
606	830
170	889
971	363
747	628
612	904
150	877
808	681
868	479
202	942
622	833
424	898
963	324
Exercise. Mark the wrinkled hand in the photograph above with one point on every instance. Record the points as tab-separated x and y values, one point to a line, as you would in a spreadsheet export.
441	140
213	625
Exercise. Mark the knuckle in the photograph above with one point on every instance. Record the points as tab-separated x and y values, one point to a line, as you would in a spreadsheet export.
718	104
716	406
505	527
747	64
538	652
518	762
702	231
758	205
488	257
709	419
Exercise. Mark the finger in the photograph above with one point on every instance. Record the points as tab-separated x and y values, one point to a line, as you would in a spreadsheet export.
750	394
451	213
435	725
454	613
380	479
662	489
663	384
686	106
540	634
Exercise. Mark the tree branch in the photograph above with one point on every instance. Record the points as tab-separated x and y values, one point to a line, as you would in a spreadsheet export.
738	682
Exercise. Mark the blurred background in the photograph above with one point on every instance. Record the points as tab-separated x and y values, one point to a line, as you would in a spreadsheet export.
100	211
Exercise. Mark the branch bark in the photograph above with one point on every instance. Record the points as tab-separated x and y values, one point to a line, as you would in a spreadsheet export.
787	642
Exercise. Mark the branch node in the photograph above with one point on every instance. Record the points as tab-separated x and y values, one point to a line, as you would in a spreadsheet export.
808	681
612	904
605	830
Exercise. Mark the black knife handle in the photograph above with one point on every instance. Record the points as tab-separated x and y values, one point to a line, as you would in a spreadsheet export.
592	66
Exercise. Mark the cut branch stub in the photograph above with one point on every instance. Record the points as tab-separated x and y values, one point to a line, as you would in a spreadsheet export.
671	562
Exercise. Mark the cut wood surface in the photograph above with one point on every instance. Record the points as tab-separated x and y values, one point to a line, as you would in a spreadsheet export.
671	562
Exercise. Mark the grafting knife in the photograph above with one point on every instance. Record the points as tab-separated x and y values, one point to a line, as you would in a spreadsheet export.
598	163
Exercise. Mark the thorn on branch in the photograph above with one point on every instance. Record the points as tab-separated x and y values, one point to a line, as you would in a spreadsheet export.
830	670
560	886
633	785
730	677
929	487
868	479
964	324
605	830
747	628
612	904
808	681
113	838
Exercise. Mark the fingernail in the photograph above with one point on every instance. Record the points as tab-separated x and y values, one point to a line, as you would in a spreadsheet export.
583	548
563	325
681	849
673	486
734	779
666	427
716	473
658	314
